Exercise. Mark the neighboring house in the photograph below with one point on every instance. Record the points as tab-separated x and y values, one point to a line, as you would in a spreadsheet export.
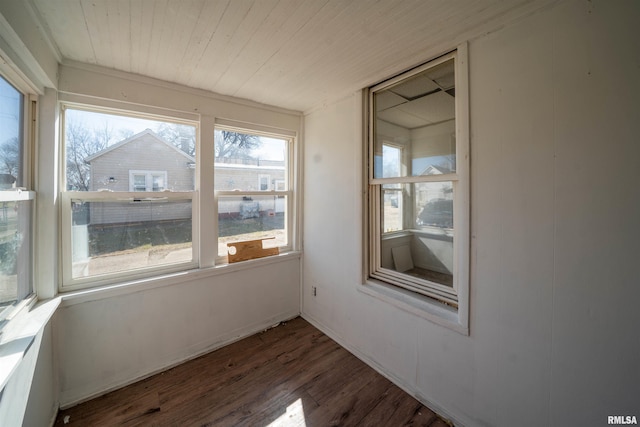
143	162
146	162
249	175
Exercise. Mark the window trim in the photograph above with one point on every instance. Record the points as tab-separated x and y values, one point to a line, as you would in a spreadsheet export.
435	304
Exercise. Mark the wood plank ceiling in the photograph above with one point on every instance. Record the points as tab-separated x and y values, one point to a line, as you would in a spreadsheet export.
296	54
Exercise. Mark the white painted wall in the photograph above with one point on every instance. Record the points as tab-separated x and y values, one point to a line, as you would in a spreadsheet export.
108	342
555	119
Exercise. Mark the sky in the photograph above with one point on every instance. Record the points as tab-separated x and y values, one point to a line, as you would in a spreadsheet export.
9	111
270	149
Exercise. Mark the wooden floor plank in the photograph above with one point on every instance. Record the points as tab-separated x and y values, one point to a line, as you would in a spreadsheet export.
396	409
351	403
290	375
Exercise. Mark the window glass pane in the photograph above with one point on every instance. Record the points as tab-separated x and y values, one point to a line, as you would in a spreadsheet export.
417	116
15	252
11	151
434	205
115	236
246	162
390	163
102	149
158	182
393	208
243	218
425	247
139	183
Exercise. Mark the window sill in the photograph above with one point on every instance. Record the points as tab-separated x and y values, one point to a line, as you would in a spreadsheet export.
20	332
109	291
416	304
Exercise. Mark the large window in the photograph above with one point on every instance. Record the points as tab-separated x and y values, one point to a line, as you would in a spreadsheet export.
252	185
128	208
16	197
136	203
418	188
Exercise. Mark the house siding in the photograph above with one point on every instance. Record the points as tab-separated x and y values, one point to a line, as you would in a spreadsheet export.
230	177
111	171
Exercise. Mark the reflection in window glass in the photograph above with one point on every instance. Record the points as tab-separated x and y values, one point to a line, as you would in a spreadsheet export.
418	116
434	204
414	151
426	250
393	202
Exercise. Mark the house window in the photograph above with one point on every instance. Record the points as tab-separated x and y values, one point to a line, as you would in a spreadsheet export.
418	189
147	180
115	224
17	111
264	182
250	207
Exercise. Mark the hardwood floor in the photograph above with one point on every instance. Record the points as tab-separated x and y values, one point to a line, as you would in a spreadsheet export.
290	375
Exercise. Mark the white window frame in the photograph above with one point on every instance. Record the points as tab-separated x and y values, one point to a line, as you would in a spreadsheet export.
68	282
448	306
289	182
148	179
25	192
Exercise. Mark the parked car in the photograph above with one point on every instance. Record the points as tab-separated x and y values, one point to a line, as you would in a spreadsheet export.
436	213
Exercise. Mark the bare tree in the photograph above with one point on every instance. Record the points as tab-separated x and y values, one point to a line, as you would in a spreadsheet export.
234	144
10	157
227	144
182	136
82	142
125	133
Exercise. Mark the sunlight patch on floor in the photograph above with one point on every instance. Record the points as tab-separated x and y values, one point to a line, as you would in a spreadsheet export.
294	416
